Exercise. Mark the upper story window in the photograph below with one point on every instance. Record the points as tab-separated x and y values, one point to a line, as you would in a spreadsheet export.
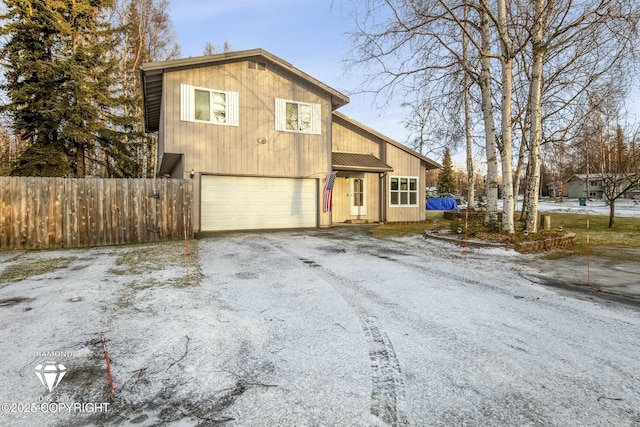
403	191
208	105
302	117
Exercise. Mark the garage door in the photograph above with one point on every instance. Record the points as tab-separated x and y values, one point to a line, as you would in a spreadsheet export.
249	203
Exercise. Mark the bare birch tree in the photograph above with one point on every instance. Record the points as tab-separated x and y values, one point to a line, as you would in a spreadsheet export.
423	39
621	171
607	154
576	45
491	216
506	140
466	83
562	48
149	37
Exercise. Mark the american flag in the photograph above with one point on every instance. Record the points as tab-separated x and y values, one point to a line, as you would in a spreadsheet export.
327	194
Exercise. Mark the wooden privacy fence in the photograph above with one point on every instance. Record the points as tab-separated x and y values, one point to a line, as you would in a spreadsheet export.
43	213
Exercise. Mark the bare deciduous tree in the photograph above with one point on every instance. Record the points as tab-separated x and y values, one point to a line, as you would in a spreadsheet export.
621	171
573	48
10	150
149	37
420	43
211	49
543	53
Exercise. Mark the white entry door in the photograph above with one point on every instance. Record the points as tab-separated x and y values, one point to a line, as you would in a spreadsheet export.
357	196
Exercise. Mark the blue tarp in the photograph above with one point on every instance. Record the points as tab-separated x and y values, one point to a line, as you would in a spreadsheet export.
442	204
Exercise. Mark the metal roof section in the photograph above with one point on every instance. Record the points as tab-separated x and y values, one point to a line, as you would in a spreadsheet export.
152	72
353	162
430	163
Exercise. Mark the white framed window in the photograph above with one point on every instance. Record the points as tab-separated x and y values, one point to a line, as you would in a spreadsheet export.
204	105
403	191
302	117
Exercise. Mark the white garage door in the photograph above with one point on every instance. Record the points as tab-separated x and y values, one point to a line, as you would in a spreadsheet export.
249	203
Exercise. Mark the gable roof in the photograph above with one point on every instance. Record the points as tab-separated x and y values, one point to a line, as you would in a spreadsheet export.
583	176
430	163
599	176
151	76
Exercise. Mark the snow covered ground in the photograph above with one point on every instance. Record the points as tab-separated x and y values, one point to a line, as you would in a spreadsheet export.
326	327
623	207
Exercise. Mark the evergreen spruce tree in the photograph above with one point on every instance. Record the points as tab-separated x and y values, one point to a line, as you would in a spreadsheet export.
446	180
31	81
60	80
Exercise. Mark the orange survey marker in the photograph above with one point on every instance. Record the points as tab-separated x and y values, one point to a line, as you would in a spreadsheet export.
186	239
588	256
106	358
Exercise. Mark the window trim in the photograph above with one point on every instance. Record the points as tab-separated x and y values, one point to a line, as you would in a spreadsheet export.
281	117
188	106
408	191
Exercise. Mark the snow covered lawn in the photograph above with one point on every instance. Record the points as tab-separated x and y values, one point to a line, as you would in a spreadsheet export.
326	327
623	207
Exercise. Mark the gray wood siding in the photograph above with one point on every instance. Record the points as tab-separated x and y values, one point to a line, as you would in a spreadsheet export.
229	150
348	137
404	164
342	201
351	139
236	150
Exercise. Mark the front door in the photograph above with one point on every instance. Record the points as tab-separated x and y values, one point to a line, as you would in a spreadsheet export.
358	206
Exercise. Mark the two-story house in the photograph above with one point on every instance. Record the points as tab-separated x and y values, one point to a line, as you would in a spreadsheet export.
583	185
266	148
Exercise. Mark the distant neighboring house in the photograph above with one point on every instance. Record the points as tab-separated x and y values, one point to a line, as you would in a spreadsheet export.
577	186
265	147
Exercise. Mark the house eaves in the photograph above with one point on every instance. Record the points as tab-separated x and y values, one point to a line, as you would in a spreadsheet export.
430	163
152	78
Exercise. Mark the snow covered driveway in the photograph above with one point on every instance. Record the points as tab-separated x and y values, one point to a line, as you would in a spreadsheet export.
329	327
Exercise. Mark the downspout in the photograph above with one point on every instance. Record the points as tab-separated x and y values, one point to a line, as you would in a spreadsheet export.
383	199
383	187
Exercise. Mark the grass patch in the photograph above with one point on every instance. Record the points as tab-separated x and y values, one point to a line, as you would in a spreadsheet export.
625	233
34	267
434	215
434	219
385	231
144	259
147	259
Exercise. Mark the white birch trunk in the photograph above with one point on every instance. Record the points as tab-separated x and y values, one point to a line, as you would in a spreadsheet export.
518	172
471	185
471	189
491	216
535	109
506	126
